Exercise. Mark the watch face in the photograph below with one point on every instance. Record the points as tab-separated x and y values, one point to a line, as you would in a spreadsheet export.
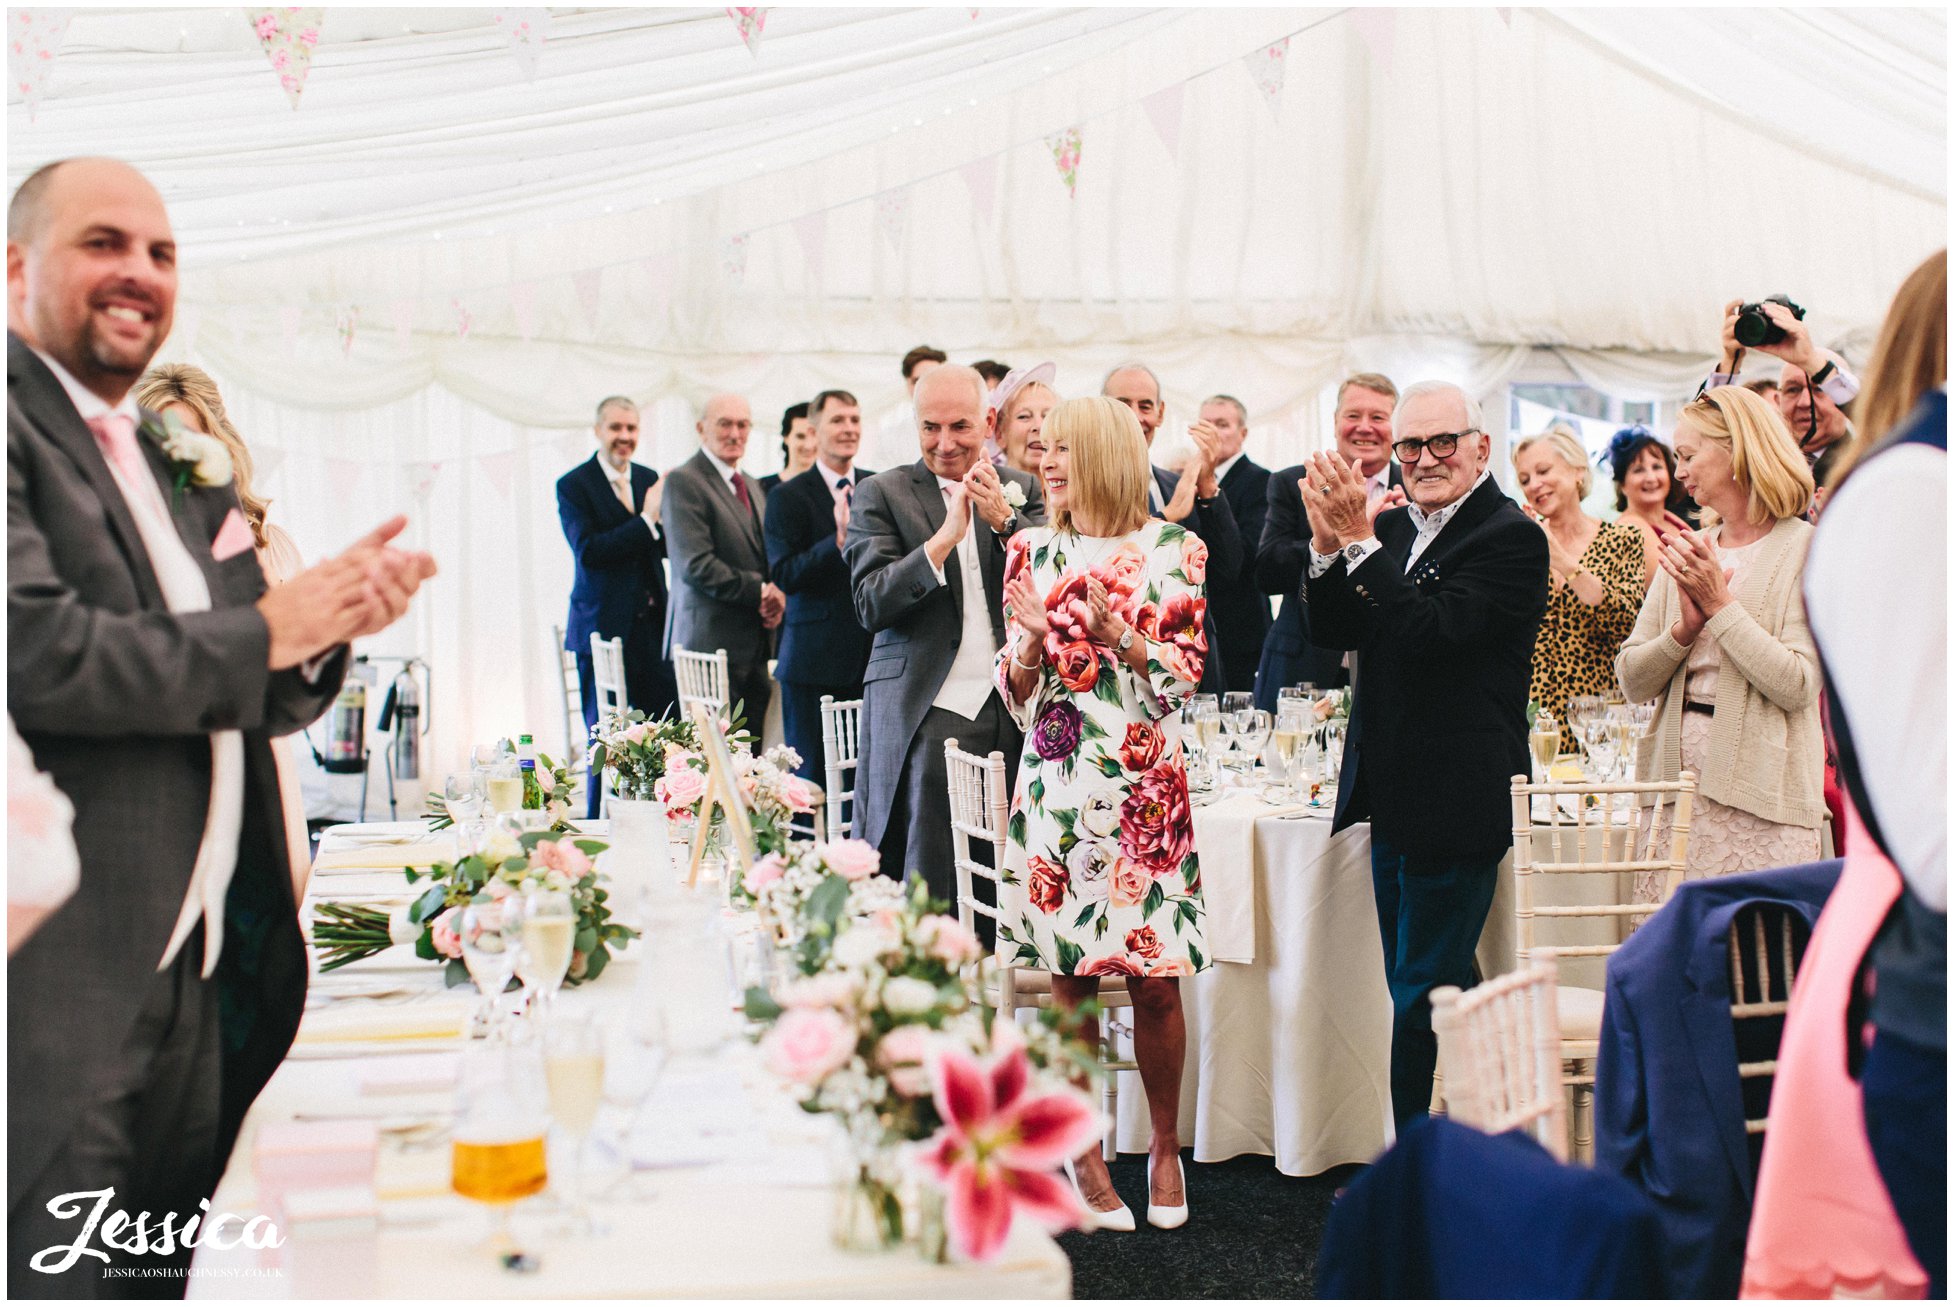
1353	552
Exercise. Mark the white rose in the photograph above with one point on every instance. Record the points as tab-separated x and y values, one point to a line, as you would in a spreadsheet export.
1014	494
1100	813
861	944
1091	865
501	846
906	996
213	463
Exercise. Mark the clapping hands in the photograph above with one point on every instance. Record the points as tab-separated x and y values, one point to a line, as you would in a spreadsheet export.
360	592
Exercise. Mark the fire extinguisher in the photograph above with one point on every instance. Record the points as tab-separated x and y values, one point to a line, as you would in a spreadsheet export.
346	737
401	713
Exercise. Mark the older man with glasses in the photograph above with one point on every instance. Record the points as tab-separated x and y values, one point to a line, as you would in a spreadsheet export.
1442	599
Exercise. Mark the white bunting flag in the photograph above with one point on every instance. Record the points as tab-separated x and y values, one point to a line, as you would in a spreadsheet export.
812	229
500	469
289	35
892	215
34	39
980	176
464	320
1164	112
589	285
1267	68
420	477
751	23
526	29
732	258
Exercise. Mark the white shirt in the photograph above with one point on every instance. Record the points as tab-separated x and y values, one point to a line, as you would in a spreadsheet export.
726	470
185	590
1428	524
968	684
1885	646
834	478
1226	467
620	480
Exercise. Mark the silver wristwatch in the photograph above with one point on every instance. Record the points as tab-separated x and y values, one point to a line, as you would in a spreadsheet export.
1125	641
1353	554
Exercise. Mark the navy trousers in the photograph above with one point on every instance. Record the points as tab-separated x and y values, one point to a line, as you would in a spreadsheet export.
800	723
1904	1085
1429	913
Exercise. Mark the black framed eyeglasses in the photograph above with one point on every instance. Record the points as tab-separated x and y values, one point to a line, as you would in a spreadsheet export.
1443	445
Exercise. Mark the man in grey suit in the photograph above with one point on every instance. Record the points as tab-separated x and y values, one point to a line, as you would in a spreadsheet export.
148	670
926	557
721	597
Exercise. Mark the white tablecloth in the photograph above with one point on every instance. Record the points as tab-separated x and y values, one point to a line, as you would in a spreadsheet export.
753	1223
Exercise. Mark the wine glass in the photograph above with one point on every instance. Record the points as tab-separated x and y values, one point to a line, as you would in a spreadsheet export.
1332	750
1598	735
1203	716
1581	709
1252	727
501	1118
1544	740
504	785
549	934
1641	721
1292	724
573	1063
1237	701
490	948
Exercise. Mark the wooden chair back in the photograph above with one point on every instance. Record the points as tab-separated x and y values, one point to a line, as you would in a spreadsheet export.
1500	1045
841	737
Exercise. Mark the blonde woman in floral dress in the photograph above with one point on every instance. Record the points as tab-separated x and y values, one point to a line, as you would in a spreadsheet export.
1105	640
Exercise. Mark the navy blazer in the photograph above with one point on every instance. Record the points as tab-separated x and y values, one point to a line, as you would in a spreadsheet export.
1450	1212
1241	610
1438	726
1214	522
1281	566
620	563
1668	1104
822	641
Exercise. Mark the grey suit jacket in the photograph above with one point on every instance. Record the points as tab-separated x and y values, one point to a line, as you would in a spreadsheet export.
917	622
719	562
116	696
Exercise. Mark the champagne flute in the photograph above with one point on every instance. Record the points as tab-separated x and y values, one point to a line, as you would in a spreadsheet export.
1544	741
501	1120
549	933
573	1063
1237	701
489	949
1201	716
1333	750
1233	705
505	786
1292	724
1580	710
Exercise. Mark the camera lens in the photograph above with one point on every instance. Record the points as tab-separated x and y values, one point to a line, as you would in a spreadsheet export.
1754	329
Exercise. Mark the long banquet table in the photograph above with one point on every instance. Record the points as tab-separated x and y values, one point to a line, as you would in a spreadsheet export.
731	1198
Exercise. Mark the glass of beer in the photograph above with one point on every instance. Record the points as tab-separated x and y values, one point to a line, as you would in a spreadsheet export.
573	1061
501	1119
549	934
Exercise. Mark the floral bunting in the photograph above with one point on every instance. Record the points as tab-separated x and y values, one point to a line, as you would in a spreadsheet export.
288	327
1267	68
289	35
812	229
751	22
892	215
500	469
421	476
1164	112
526	29
34	39
589	285
1379	29
464	320
980	176
1065	153
348	327
732	258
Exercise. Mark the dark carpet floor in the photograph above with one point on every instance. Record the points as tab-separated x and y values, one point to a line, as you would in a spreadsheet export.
1253	1233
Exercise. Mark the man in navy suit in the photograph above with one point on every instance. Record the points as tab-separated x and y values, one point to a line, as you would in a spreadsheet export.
1241	610
1192	498
823	647
609	508
1441	599
1289	656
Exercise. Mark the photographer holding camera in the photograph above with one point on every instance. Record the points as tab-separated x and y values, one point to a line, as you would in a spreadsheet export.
1812	388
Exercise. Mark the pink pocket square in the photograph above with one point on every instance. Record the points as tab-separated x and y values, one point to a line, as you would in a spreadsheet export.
233	538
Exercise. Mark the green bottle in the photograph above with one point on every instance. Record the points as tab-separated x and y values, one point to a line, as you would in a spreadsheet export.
532	789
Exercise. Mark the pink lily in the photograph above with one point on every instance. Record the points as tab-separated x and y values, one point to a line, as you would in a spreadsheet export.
1002	1141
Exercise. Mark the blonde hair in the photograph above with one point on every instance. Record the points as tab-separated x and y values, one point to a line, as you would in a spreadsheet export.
180	383
1765	460
1109	468
1560	438
1909	359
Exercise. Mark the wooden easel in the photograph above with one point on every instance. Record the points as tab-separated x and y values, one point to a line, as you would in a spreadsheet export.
722	795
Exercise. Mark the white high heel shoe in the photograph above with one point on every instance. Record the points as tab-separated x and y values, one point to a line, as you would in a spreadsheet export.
1120	1218
1162	1217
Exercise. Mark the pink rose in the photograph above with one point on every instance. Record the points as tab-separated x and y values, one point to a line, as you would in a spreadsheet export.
310	36
1130	883
904	1054
267	27
499	890
680	790
1123	571
1048	884
280	60
947	940
637	732
806	1044
1017	552
563	856
1113	964
444	939
1156	826
797	794
1077	665
1141	748
1065	609
1144	942
764	873
1194	560
1172	967
851	859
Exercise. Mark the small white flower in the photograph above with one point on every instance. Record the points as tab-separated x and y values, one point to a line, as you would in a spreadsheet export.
1014	494
906	996
1091	865
501	846
861	944
1100	813
212	463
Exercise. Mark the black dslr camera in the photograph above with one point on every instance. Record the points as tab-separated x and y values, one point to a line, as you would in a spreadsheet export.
1754	328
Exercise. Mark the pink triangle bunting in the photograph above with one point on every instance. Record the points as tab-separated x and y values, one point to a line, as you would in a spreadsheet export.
1505	16
526	29
500	469
288	327
289	35
34	39
732	258
522	303
812	228
1065	154
348	326
589	285
421	477
751	23
980	177
344	476
892	215
1268	68
1164	112
1379	28
464	320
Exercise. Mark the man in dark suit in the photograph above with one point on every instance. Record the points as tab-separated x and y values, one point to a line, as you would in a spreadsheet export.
1192	497
148	670
1363	434
1238	606
823	648
721	597
1441	600
609	510
925	551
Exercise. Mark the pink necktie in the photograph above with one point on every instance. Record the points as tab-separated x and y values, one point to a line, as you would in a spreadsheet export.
117	436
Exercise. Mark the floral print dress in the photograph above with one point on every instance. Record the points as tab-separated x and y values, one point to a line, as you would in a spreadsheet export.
1100	875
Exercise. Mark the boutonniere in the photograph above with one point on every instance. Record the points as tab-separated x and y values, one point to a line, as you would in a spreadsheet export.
195	458
1014	495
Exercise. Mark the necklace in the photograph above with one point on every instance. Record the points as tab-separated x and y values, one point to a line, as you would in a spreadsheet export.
1071	550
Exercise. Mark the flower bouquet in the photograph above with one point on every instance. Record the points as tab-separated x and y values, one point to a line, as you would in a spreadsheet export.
770	791
637	751
345	933
559	787
781	886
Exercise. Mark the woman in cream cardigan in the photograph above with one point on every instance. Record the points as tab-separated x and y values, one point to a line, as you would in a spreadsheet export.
1721	644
